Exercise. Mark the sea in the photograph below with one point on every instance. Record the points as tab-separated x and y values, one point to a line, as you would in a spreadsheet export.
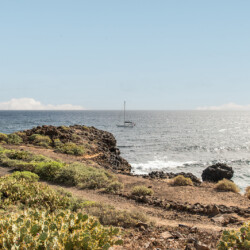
170	141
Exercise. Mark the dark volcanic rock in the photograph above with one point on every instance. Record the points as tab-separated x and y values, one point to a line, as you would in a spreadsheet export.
98	143
217	172
163	175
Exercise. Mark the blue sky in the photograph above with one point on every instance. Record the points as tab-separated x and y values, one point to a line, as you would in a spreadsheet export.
153	54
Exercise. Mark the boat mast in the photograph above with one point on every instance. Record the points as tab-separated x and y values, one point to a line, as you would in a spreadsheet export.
124	113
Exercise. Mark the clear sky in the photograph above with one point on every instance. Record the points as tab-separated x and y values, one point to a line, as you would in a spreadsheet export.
153	54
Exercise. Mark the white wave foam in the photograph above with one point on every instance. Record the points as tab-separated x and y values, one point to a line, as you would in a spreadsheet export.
157	165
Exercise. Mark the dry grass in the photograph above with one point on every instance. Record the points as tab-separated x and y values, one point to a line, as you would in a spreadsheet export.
180	180
227	186
142	191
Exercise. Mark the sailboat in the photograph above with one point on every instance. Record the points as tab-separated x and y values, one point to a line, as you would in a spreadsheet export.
126	124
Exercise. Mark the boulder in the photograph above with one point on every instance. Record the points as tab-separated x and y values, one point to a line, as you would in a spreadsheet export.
217	172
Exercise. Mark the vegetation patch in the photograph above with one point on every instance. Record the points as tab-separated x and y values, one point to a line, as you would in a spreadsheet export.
70	148
3	137
34	229
114	187
75	174
141	191
15	190
227	186
236	239
180	180
40	140
108	215
14	139
26	175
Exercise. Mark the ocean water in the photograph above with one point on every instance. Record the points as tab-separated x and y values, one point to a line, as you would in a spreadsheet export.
161	140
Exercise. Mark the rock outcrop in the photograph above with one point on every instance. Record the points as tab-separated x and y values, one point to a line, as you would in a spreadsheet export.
217	172
100	145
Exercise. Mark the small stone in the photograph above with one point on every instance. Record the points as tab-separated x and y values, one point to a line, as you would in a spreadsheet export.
199	246
166	235
218	219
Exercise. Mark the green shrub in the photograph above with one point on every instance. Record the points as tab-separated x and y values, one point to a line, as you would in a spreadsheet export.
3	137
57	143
14	139
34	229
91	177
18	155
17	164
248	192
114	187
48	170
180	180
28	176
227	186
70	148
236	239
141	191
14	191
40	140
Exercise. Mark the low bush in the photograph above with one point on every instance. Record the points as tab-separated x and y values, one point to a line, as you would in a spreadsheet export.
14	139
108	215
236	239
114	187
19	191
70	148
180	180
3	137
142	191
28	176
34	229
91	177
227	186
248	192
48	170
40	140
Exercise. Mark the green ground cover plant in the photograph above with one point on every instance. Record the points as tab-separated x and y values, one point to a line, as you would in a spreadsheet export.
236	239
22	189
47	218
180	180
3	137
29	176
227	186
14	139
75	174
114	187
40	140
141	191
70	148
36	229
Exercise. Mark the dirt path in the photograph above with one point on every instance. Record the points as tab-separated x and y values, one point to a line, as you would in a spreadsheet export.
159	216
205	194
